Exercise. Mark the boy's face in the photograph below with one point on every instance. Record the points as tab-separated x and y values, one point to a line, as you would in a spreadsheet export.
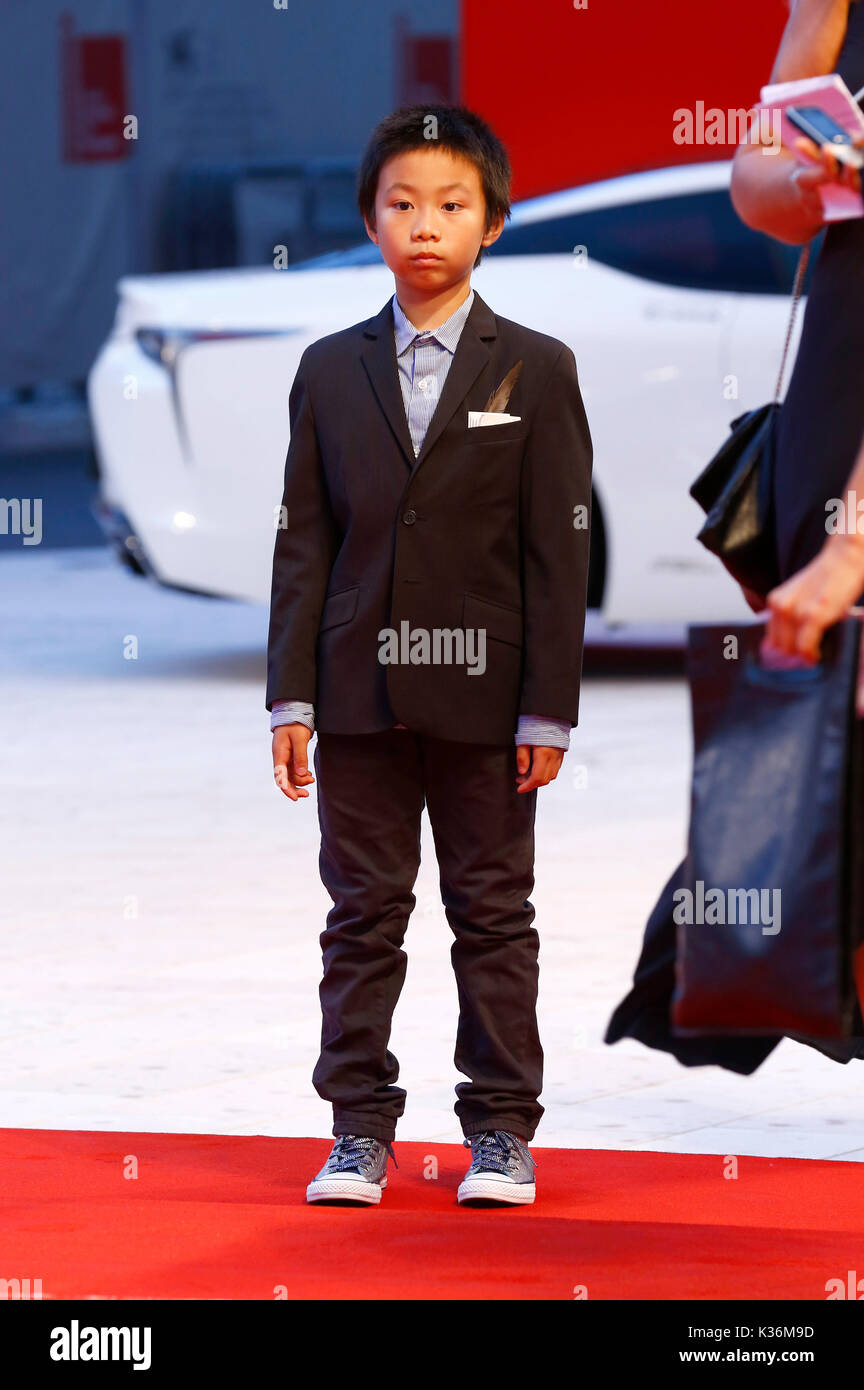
430	200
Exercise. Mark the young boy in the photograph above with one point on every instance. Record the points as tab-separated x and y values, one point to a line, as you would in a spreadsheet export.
428	608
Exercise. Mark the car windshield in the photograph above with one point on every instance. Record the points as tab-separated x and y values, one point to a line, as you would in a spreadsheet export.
366	253
690	238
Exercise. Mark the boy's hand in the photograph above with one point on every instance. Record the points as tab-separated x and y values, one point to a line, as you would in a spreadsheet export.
544	764
290	767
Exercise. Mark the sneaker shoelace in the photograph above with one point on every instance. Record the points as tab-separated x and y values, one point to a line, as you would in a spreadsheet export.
355	1151
496	1151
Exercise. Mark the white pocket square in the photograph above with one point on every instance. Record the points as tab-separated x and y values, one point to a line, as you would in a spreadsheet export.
489	417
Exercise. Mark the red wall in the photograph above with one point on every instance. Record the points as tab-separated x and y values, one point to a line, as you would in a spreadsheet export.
578	95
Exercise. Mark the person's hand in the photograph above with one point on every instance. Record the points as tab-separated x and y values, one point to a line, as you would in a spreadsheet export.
536	765
805	606
290	767
808	176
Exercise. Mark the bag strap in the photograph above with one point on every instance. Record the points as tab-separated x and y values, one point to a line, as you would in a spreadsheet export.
800	272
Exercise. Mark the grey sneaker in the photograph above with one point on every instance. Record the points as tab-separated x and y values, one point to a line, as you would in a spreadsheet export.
356	1171
502	1169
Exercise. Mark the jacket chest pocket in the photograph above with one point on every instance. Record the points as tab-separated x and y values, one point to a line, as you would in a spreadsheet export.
487	473
486	436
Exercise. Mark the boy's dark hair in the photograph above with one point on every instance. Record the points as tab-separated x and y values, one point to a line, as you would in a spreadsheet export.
456	129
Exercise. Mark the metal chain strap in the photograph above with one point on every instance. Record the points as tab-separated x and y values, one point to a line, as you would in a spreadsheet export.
800	272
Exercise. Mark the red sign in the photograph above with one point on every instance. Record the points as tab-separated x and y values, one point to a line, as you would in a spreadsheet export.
584	91
93	102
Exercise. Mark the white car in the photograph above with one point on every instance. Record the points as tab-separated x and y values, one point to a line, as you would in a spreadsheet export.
674	310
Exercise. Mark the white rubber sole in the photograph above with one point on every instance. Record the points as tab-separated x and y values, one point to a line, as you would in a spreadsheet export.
514	1194
345	1190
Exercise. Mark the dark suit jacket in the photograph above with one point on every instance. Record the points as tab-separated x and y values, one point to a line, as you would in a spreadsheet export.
477	532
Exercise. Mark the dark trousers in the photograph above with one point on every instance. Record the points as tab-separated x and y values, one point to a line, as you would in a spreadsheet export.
371	791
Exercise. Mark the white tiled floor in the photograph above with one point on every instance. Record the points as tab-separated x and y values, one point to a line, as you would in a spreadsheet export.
160	957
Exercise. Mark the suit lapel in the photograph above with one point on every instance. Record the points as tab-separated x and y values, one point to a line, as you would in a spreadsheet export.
471	356
379	358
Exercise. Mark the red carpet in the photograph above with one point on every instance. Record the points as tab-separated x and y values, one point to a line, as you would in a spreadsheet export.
225	1218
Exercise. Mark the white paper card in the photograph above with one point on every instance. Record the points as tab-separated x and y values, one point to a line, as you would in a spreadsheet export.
489	417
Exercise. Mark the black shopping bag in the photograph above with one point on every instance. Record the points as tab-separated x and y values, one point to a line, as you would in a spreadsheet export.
766	908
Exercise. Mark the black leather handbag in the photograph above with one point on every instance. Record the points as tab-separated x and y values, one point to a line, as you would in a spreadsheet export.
769	903
736	490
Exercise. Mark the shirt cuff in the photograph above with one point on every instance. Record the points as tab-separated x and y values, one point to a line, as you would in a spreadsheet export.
292	712
532	729
547	733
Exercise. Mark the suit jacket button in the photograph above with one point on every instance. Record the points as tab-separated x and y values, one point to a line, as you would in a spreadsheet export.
410	517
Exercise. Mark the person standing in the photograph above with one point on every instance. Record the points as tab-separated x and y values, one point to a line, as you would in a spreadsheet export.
437	486
819	457
820	441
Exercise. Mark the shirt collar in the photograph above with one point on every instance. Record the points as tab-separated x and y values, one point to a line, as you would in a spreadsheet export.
447	335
